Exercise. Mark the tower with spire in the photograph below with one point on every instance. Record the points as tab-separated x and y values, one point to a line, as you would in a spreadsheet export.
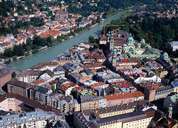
63	5
113	51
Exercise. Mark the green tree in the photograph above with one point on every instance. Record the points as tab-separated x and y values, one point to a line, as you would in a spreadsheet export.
37	21
8	53
93	41
38	41
49	41
29	44
18	50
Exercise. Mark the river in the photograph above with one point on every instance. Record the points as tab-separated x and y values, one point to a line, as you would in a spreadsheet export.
54	51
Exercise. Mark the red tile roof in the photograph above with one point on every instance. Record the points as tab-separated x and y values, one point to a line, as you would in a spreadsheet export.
49	33
64	87
124	95
97	84
121	84
37	82
151	86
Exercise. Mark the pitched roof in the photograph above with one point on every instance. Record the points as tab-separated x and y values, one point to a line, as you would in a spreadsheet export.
39	81
124	95
133	116
20	84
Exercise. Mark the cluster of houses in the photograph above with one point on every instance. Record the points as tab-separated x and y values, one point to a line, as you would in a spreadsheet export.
63	23
113	91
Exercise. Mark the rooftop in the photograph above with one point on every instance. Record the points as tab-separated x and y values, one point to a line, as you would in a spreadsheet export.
19	84
124	95
119	107
127	117
25	117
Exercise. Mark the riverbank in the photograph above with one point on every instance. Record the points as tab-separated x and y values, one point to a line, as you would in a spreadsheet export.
56	41
59	48
59	39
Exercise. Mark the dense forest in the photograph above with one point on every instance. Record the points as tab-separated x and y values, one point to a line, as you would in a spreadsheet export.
86	8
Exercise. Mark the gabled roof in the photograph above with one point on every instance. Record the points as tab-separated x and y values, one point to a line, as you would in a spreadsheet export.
50	73
20	84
